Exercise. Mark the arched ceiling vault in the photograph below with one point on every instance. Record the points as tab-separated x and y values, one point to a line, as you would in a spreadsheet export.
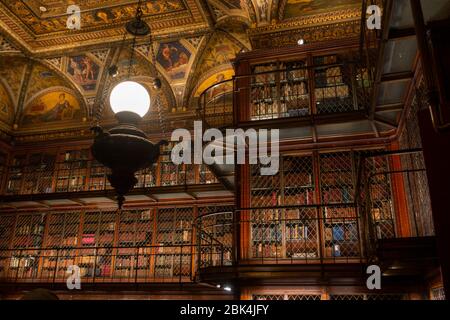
194	40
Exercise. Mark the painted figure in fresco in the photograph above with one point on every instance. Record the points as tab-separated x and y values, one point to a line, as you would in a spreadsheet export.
182	59
88	71
263	6
174	58
84	71
77	72
63	110
169	55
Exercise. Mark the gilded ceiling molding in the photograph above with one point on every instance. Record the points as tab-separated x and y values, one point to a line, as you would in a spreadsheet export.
56	62
96	104
101	54
281	9
23	92
66	134
188	21
226	13
251	11
190	81
309	21
284	38
13	73
195	41
6	46
274	10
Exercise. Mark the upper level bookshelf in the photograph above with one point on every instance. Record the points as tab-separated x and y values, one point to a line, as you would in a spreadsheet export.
298	82
308	209
73	169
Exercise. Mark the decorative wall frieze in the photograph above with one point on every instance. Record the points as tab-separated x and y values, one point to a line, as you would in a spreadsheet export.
308	21
285	38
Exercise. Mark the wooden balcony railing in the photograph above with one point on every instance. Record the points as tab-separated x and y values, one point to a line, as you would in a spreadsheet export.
89	175
296	92
309	234
140	264
393	197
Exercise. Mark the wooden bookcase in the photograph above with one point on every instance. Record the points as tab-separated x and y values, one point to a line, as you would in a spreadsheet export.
72	170
284	233
3	169
381	197
62	236
16	173
6	234
300	229
135	229
173	230
337	185
299	82
332	84
279	94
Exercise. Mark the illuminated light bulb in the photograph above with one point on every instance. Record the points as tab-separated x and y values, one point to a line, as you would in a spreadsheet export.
130	96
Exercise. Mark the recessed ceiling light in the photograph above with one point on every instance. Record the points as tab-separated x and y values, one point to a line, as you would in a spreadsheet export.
43	9
227	289
301	42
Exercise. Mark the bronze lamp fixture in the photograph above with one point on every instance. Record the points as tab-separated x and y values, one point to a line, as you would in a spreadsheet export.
125	149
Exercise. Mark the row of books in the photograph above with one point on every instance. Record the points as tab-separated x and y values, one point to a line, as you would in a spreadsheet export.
26	230
383	211
330	92
324	60
62	241
337	195
267	250
341	232
302	254
266	233
297	232
300	198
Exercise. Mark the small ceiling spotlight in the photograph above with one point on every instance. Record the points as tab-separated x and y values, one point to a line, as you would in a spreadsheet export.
113	71
42	9
218	286
227	288
301	42
157	84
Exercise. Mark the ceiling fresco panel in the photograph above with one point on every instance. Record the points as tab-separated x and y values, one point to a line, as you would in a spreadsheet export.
101	21
93	13
52	106
84	71
174	58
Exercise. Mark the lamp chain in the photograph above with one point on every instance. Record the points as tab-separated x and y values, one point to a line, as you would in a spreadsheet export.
159	109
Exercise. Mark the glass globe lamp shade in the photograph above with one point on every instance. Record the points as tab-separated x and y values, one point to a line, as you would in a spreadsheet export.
130	96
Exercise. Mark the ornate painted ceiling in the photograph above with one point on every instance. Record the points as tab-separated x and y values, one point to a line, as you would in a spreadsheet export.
44	64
